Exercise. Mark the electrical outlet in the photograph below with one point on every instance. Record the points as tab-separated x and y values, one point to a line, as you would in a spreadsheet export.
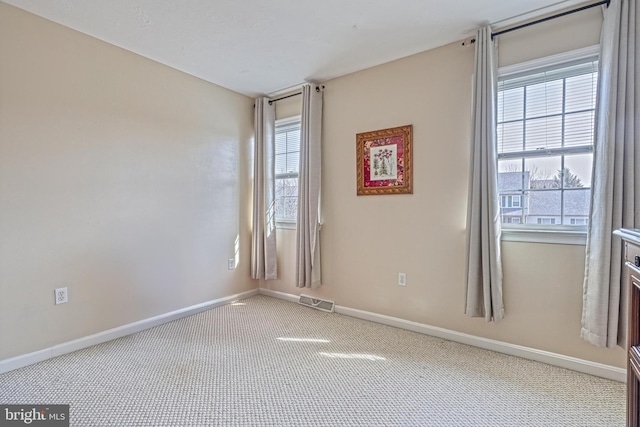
402	279
61	295
231	264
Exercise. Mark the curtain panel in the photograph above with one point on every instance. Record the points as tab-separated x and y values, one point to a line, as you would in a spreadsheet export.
308	268
615	198
483	261
264	262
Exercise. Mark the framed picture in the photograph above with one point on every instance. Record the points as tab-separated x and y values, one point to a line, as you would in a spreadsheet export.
384	161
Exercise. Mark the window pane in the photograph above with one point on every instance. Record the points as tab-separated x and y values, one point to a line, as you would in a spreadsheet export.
510	137
576	206
511	212
279	188
510	182
579	129
511	105
279	208
290	187
543	172
293	160
543	133
579	166
281	143
293	141
510	165
287	157
544	99
291	207
544	205
510	186
581	92
281	163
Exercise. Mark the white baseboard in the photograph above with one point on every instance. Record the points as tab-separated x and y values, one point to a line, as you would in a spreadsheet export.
279	295
111	334
555	359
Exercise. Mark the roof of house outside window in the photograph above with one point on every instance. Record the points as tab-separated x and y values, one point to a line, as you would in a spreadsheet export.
542	203
511	181
576	202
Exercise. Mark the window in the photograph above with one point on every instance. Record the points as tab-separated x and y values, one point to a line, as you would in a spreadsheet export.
545	132
287	163
510	201
579	221
546	220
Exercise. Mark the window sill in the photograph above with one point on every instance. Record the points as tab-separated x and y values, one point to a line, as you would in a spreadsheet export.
562	237
285	225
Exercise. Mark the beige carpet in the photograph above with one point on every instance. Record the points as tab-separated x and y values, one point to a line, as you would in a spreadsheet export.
266	362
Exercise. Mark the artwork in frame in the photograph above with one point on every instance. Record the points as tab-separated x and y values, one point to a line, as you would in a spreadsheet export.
384	161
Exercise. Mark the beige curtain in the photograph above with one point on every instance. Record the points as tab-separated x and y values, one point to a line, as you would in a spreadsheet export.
615	199
483	262
308	269
264	263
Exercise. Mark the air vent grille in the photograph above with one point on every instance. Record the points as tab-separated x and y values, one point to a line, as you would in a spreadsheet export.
317	303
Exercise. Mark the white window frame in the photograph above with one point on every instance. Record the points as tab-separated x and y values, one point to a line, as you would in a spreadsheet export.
287	223
560	234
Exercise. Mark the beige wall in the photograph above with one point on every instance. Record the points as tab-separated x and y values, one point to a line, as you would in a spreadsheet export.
128	182
552	37
120	178
367	240
289	107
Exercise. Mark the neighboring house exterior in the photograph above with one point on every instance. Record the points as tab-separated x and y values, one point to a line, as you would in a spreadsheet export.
528	201
513	202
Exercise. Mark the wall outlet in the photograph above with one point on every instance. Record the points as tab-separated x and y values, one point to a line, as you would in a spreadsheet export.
231	264
61	295
402	279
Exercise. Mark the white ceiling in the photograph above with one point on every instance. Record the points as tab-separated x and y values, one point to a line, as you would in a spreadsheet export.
265	46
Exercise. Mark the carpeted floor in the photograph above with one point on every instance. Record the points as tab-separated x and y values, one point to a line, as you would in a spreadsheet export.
266	362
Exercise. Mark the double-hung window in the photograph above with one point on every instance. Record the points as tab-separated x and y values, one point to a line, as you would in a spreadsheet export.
545	134
287	163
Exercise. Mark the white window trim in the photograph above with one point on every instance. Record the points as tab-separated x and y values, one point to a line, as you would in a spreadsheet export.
288	120
287	224
532	235
575	235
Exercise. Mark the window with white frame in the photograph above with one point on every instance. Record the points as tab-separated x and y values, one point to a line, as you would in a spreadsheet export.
287	163
545	133
510	201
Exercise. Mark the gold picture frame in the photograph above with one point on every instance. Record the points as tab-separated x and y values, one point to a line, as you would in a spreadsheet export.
384	161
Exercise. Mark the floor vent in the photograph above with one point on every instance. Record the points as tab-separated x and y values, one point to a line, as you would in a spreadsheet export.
320	304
